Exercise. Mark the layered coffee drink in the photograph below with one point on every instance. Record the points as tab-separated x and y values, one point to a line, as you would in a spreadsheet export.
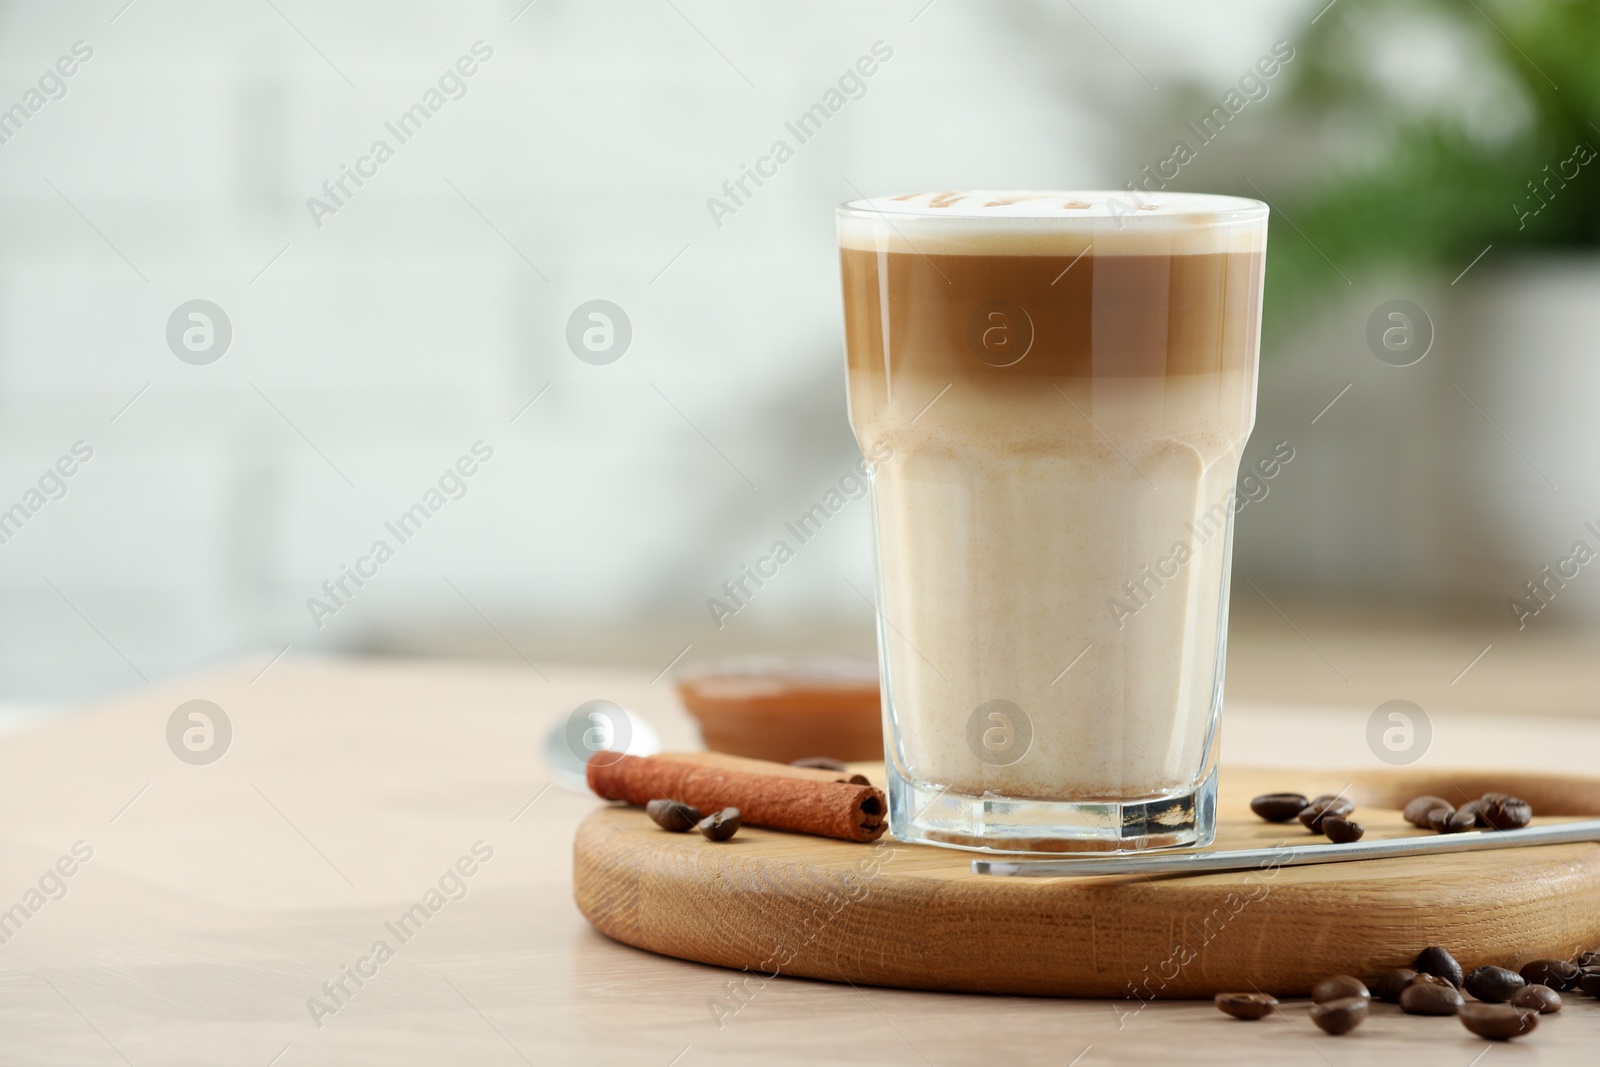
1065	382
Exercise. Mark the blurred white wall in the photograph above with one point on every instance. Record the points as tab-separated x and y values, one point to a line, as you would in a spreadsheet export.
369	354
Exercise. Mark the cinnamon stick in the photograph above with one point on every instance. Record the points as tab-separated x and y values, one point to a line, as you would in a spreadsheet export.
766	794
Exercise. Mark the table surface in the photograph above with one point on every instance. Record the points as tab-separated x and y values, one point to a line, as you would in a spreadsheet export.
216	901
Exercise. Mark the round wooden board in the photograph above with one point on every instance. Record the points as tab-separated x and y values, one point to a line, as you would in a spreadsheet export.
913	916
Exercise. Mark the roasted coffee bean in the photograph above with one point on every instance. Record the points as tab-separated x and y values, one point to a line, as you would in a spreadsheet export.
1557	974
1494	985
1505	813
1247	1005
1340	1016
1436	961
1497	1022
1588	959
1321	808
1589	982
1390	984
1451	822
1279	807
1425	998
1338	986
1342	830
820	763
1541	998
673	816
1417	811
721	825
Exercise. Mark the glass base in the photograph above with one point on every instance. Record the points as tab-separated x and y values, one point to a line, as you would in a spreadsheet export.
927	814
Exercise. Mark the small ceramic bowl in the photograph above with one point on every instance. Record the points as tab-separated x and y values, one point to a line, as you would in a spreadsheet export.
786	708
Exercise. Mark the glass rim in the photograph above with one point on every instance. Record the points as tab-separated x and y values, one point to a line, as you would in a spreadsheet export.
1099	206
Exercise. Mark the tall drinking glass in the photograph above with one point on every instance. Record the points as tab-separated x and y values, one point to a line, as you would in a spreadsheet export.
1062	384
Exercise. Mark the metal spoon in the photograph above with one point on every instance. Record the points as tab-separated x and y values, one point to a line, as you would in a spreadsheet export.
1292	855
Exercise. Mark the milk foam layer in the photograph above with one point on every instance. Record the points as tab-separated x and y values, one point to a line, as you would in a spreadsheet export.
998	222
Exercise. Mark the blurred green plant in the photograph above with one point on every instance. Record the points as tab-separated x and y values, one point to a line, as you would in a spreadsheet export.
1461	123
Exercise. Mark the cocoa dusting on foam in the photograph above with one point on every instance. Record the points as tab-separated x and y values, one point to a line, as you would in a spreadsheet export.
950	199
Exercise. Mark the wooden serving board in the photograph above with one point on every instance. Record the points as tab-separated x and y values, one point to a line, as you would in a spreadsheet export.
914	916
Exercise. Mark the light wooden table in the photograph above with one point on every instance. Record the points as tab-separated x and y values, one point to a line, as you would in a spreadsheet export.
220	898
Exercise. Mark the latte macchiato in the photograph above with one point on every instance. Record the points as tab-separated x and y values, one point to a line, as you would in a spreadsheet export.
1066	381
